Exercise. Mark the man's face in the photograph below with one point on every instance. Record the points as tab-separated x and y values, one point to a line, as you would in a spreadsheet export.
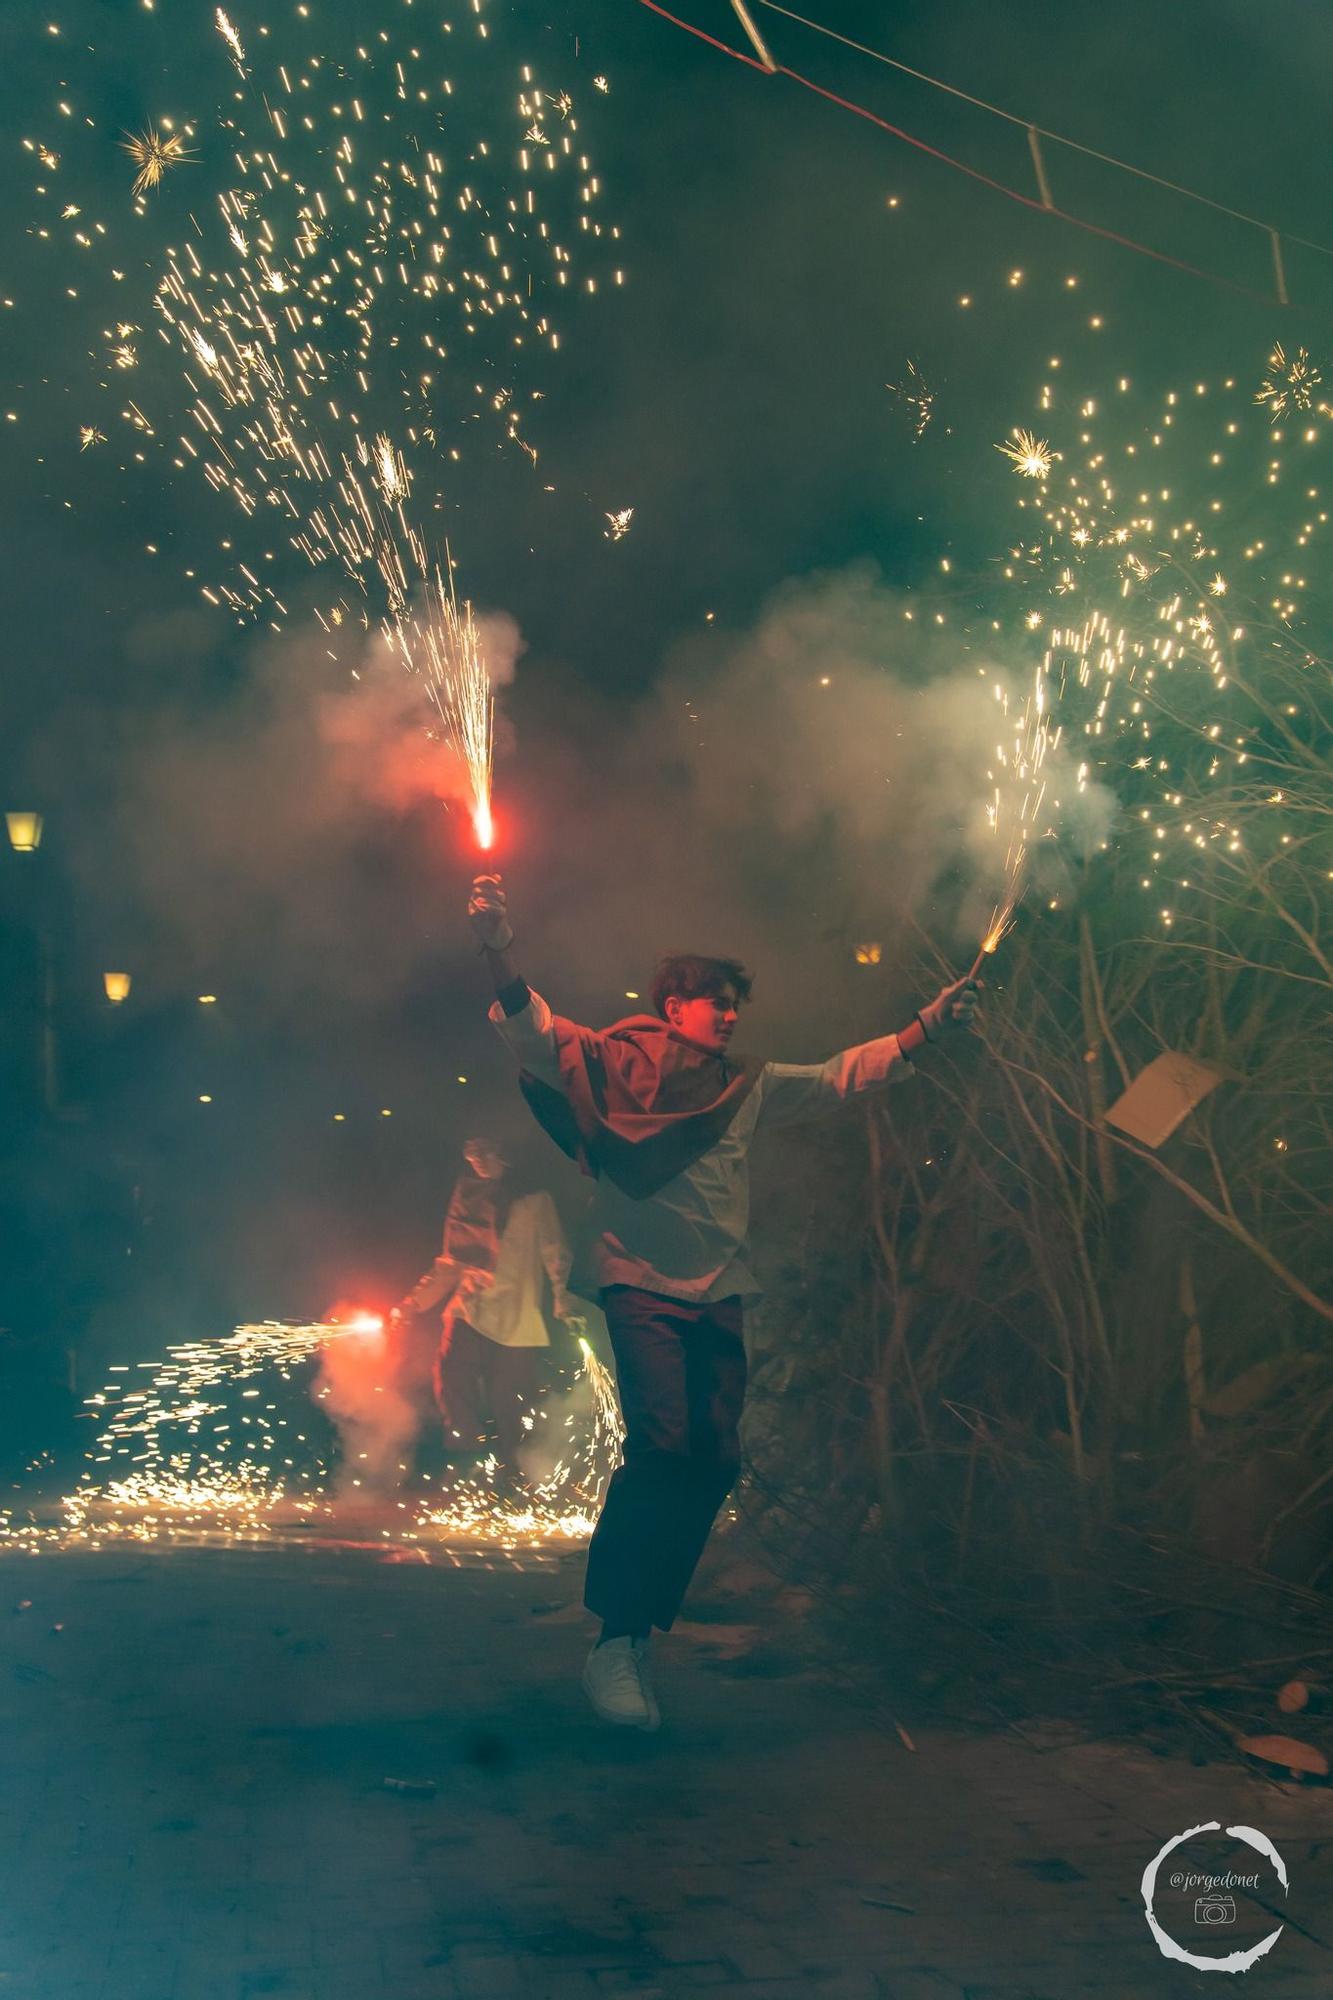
708	1022
484	1159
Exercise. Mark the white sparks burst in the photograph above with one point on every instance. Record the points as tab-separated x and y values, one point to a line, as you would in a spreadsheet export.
1290	384
390	471
153	154
1031	455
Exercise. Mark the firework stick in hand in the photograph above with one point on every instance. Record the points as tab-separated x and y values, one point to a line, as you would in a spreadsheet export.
1001	923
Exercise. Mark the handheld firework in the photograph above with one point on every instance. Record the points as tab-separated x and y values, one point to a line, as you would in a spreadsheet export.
1001	924
441	640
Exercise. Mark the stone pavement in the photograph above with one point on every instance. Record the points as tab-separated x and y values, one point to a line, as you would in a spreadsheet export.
193	1808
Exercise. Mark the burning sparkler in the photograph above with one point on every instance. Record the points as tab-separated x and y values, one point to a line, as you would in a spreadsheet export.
443	643
1149	678
1001	923
203	1441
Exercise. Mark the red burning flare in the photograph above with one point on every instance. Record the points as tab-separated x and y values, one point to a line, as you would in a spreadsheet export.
355	1319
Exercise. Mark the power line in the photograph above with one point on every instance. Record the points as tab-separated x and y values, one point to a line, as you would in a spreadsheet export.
1043	202
1030	125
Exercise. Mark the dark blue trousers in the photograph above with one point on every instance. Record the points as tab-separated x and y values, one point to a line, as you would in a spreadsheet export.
680	1370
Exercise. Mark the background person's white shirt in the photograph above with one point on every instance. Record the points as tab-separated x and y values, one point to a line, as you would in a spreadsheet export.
506	1305
690	1239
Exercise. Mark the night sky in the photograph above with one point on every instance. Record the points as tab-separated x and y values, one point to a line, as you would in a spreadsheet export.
208	831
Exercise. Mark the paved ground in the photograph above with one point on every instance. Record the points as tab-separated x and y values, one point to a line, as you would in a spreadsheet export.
193	1808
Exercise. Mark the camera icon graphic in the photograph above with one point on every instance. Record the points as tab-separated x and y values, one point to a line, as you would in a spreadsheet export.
1214	1909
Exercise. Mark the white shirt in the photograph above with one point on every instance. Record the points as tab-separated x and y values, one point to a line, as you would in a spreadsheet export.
690	1239
506	1304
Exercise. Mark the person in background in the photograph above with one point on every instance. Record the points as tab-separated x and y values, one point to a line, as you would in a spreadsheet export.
500	1249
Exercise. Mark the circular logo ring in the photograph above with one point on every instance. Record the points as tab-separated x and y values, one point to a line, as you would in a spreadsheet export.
1236	1961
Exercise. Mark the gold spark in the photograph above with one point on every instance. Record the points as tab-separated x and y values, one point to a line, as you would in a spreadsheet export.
619	524
153	154
390	471
1031	456
232	39
89	435
1289	385
443	642
918	395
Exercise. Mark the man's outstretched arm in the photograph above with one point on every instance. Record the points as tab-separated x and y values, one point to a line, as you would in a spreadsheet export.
521	1016
793	1090
488	914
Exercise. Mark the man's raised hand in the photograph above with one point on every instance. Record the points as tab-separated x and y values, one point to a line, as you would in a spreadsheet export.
953	1007
488	913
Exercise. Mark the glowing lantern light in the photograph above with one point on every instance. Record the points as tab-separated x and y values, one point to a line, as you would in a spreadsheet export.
25	831
117	986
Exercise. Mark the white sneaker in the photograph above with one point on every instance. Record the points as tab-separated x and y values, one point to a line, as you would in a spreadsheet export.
614	1683
641	1655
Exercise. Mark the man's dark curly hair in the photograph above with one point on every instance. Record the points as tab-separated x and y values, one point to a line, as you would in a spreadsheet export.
690	977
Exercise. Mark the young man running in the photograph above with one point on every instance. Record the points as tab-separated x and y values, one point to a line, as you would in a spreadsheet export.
662	1116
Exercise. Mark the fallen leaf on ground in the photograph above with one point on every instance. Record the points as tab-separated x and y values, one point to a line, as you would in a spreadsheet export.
1288	1750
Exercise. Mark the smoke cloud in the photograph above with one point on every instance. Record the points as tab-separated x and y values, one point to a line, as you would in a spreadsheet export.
781	793
376	1423
784	794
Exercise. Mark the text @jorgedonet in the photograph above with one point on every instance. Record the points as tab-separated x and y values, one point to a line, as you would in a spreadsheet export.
1207	1882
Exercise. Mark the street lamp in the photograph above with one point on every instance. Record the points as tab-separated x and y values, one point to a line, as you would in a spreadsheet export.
25	837
117	986
25	831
